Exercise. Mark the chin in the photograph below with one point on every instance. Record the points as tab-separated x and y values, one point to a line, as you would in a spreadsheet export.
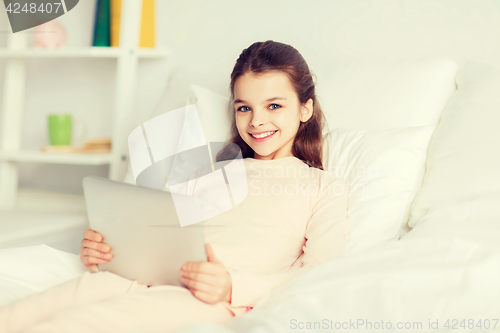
263	153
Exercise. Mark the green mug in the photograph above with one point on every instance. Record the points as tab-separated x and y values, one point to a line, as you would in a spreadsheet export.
61	129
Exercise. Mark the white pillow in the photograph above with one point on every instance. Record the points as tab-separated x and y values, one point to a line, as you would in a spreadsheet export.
463	180
383	170
401	93
376	94
30	269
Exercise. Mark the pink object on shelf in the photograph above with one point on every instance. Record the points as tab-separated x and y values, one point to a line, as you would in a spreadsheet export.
50	35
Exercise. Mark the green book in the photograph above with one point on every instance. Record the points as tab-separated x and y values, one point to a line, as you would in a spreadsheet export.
102	35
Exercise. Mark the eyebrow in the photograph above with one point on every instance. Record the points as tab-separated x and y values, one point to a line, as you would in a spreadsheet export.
268	100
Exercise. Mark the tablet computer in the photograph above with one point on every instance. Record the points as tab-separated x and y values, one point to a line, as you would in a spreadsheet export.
142	227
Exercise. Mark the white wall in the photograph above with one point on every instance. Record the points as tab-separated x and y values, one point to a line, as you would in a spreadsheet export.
206	38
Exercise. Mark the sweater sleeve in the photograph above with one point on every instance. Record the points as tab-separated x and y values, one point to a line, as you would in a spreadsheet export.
325	240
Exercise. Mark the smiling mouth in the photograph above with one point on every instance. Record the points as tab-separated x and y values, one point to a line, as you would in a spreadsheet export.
263	135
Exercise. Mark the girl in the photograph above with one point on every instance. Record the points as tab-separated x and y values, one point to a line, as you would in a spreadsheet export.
293	218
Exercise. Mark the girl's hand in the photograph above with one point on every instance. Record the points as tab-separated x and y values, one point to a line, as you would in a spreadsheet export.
93	251
208	281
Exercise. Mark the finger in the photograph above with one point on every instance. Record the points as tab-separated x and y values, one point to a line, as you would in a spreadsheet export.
94	253
102	247
208	279
87	234
94	268
202	267
197	285
203	296
92	235
94	260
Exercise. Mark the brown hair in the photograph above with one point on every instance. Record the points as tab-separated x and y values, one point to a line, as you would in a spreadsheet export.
263	57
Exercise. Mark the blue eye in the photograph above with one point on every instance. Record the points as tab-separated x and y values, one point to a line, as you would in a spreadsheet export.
276	106
240	109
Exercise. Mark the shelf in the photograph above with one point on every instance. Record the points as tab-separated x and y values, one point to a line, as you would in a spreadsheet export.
19	53
57	158
88	52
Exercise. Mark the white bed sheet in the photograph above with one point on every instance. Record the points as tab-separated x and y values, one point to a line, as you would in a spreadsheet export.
437	271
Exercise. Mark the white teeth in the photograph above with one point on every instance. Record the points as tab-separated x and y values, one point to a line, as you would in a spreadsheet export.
263	135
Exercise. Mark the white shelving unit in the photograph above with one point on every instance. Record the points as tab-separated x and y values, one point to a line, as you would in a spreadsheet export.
17	54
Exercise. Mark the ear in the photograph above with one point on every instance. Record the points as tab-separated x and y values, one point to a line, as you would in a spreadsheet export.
306	110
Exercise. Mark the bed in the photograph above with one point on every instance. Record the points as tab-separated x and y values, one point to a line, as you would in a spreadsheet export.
423	252
432	280
443	274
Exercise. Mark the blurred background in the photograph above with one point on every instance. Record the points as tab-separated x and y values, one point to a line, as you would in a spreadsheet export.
204	39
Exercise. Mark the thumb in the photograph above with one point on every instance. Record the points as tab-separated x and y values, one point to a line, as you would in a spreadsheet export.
210	254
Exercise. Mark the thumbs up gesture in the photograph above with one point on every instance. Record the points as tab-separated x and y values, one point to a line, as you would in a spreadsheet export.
208	281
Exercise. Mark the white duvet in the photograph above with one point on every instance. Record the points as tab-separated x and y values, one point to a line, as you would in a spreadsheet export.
439	277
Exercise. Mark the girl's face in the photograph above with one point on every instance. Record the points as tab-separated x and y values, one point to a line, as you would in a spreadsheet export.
266	105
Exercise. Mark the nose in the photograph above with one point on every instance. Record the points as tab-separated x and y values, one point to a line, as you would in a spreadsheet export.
258	119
